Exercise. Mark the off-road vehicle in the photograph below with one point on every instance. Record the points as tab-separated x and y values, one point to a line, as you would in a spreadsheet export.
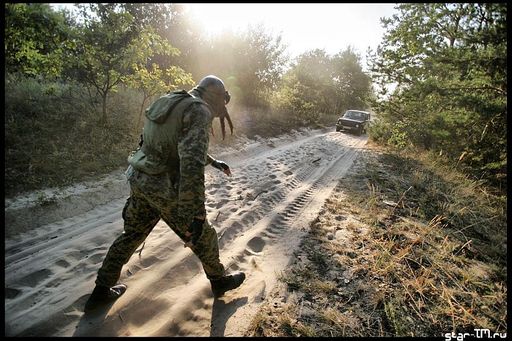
354	120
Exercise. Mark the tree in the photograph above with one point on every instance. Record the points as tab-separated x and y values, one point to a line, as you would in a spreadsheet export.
258	65
110	44
154	81
313	70
187	36
320	85
352	84
449	64
251	62
36	39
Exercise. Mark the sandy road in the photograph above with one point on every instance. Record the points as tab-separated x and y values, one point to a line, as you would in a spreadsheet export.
260	213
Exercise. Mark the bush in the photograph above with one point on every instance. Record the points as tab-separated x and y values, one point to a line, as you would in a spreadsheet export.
52	135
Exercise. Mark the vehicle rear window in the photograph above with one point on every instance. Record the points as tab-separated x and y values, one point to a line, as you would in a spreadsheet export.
355	115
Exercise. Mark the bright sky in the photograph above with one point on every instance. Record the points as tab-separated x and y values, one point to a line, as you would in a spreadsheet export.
303	26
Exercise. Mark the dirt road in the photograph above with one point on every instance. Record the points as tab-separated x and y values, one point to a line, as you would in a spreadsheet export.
260	213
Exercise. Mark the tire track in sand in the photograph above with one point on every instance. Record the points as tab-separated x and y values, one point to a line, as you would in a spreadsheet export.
260	214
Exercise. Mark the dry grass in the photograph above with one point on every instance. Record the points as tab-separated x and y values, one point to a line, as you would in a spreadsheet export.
419	250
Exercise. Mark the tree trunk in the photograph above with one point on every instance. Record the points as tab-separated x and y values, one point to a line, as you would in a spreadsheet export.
104	118
141	113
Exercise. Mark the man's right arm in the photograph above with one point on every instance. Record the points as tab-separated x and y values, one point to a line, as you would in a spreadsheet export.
192	150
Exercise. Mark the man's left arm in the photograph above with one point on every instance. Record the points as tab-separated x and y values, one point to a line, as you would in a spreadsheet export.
220	165
209	159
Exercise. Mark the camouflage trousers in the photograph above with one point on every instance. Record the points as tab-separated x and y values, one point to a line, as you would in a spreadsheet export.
153	198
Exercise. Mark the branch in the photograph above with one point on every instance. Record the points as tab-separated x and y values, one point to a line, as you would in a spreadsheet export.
477	88
264	191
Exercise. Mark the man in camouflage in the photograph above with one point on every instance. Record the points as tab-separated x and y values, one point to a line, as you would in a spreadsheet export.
166	176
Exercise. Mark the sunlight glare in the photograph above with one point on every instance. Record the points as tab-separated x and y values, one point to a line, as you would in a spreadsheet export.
332	27
216	18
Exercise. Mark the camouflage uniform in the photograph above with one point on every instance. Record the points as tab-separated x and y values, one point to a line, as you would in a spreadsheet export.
166	177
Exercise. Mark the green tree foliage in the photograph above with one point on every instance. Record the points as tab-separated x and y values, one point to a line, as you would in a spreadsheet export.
352	85
258	64
110	44
155	15
36	39
155	81
307	87
185	35
251	62
448	62
319	85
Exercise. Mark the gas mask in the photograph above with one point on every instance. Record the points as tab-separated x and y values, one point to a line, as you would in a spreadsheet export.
213	92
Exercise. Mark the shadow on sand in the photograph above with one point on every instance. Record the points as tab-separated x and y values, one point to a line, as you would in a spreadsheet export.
221	312
91	323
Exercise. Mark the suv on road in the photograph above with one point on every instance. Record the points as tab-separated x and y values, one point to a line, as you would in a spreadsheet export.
354	120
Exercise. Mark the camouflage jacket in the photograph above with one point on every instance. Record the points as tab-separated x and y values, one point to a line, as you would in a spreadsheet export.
175	141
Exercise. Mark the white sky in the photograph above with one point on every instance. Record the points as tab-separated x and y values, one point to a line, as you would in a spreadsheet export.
303	26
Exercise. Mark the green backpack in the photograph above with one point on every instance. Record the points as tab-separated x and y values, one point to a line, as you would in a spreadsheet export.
162	107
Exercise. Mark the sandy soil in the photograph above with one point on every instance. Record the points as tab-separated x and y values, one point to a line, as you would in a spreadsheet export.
260	214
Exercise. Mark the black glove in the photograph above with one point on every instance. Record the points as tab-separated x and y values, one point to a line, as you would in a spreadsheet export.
221	165
194	232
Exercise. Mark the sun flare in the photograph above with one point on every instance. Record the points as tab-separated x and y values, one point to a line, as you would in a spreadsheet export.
332	27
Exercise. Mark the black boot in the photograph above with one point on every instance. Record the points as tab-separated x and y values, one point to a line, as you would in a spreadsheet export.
102	296
227	282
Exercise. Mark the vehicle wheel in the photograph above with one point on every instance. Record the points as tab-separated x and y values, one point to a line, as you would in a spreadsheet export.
359	131
337	129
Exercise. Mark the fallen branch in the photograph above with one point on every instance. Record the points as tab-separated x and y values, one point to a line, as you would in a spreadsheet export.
264	191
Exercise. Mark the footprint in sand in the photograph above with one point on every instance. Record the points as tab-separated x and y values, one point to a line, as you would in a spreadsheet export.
215	185
256	244
236	225
62	263
35	278
221	203
248	220
75	255
11	293
96	258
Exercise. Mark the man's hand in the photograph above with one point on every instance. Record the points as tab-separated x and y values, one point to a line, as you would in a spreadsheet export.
221	165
